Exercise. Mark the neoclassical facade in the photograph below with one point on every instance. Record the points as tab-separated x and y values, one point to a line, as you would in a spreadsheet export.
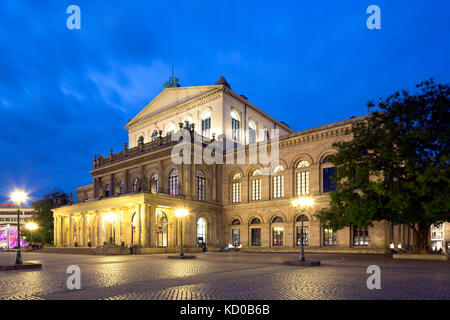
246	204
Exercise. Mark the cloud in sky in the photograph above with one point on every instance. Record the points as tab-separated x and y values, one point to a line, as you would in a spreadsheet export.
67	94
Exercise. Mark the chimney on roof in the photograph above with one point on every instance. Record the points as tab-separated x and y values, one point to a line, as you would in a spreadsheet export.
222	81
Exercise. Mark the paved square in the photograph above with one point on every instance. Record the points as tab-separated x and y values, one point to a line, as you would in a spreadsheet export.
231	275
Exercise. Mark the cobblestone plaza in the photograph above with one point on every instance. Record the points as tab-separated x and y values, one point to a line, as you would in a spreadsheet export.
230	276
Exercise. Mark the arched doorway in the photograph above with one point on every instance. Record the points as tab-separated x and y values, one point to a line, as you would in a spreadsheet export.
201	233
162	230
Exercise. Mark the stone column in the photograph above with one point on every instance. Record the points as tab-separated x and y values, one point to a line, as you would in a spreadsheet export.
99	229
213	183
84	230
145	224
138	224
55	231
70	242
152	225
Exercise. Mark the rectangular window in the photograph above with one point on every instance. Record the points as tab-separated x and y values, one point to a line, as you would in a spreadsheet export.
235	129
328	184
278	186
236	196
173	185
277	237
201	189
256	236
206	127
236	237
302	183
251	135
256	189
305	235
360	236
329	237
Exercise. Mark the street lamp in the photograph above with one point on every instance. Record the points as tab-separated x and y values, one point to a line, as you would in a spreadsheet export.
18	197
303	203
31	226
180	213
111	217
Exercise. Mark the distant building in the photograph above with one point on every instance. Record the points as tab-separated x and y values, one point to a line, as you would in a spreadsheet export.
135	192
8	224
440	237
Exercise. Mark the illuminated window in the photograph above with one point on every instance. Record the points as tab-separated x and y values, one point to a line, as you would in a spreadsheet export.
302	183
298	225
206	124
256	185
329	237
277	236
236	188
360	236
201	232
278	186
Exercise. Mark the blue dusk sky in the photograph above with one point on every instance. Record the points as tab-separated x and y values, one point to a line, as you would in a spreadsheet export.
67	94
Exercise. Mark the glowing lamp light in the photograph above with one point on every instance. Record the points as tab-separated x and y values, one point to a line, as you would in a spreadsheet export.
303	202
110	217
31	226
180	213
18	197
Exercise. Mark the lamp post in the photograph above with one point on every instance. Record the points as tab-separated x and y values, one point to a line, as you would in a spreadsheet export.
180	213
111	217
18	197
8	235
303	203
31	226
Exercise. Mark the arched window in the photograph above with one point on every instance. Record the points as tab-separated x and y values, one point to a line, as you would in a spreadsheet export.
251	132
154	183
277	219
173	182
277	232
155	135
170	129
255	232
108	191
328	174
200	182
256	185
206	124
266	135
235	125
302	176
235	222
121	187
162	229
201	232
302	220
136	185
278	182
236	188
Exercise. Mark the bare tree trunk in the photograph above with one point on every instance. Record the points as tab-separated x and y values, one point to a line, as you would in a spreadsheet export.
422	234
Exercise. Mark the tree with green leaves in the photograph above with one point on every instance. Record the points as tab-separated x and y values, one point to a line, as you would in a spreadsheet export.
396	167
43	216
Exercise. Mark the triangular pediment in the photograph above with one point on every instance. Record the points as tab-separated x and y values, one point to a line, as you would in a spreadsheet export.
168	99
